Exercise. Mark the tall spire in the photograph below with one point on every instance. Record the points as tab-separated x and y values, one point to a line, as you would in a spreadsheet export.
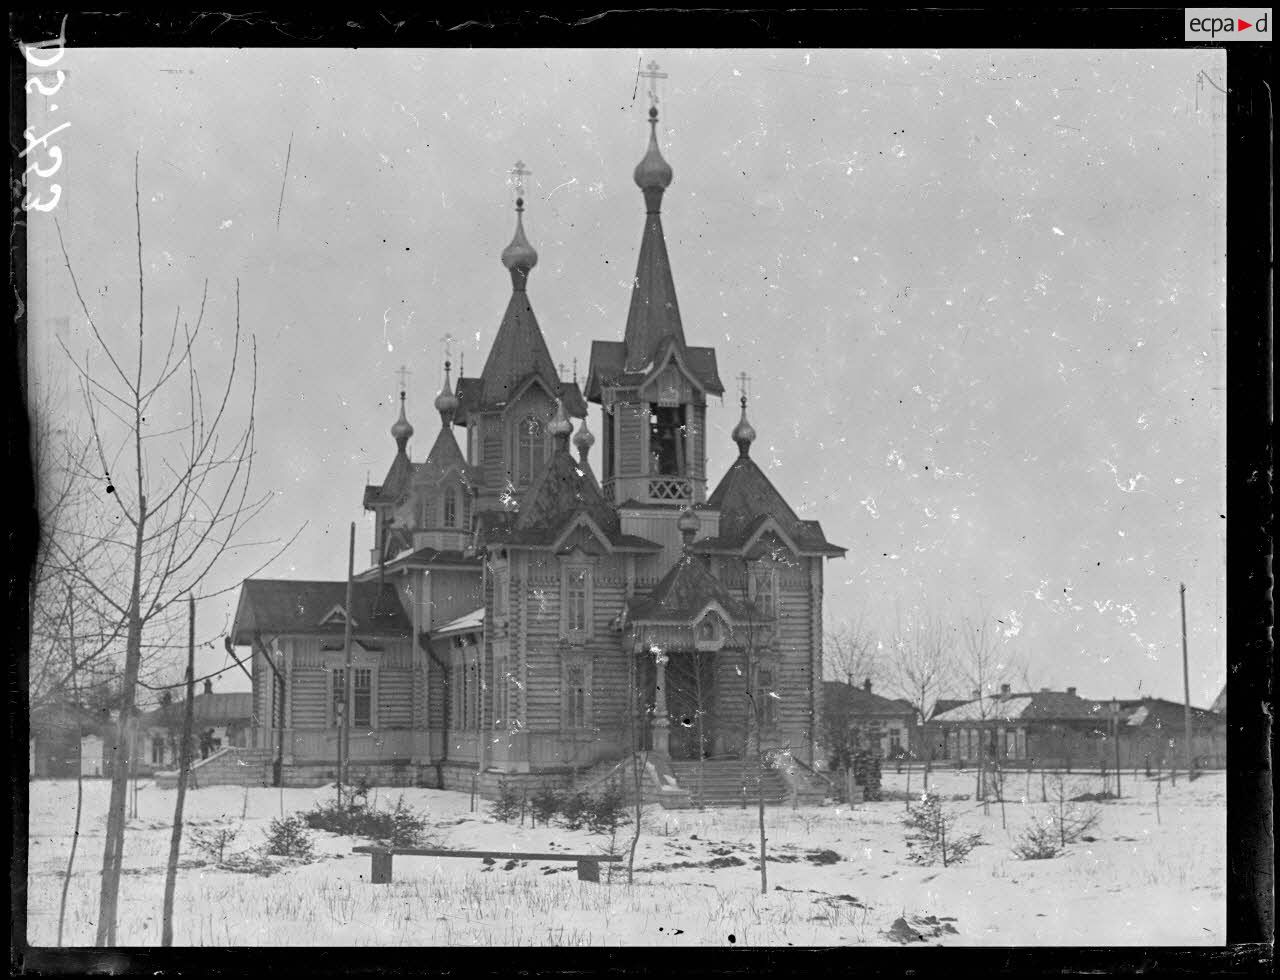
519	257
654	312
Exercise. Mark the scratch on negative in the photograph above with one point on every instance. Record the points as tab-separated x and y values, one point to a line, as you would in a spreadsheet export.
284	180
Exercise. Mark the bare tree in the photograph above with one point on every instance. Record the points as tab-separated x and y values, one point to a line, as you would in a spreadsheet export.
986	664
179	492
851	652
922	668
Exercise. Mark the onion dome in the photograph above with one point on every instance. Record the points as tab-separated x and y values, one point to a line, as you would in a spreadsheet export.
519	257
401	430
560	427
743	434
653	174
446	402
584	440
688	524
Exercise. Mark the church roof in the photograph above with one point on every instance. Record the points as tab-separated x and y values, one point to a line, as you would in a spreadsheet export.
608	366
747	500
565	490
684	592
654	312
393	484
275	607
419	558
444	456
519	352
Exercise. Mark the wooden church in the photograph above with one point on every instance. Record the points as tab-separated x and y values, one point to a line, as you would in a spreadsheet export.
525	617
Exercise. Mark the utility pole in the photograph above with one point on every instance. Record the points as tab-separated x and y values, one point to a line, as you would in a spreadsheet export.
344	763
1186	681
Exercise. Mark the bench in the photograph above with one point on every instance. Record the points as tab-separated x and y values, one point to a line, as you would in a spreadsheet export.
380	871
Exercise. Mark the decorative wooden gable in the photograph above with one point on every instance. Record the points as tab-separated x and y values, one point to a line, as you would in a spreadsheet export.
672	384
584	536
337	616
771	543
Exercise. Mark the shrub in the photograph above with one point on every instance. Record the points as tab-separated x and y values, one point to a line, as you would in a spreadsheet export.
575	809
288	837
400	826
1037	843
608	810
929	837
213	842
507	806
545	804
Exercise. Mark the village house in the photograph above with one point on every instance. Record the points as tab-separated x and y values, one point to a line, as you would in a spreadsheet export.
857	719
525	614
218	721
1154	735
66	738
1049	728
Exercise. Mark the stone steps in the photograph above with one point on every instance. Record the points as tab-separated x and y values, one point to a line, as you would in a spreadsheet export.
723	784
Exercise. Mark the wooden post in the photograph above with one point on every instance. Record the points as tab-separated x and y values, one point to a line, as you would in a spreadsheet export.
380	869
1186	682
344	764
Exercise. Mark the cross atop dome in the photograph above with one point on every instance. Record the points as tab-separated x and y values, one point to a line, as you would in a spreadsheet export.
653	74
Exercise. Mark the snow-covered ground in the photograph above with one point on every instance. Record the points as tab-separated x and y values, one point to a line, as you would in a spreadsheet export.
696	882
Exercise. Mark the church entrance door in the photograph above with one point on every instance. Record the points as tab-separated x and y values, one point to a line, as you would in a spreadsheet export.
691	700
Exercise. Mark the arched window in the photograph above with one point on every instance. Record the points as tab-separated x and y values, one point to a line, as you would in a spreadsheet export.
531	449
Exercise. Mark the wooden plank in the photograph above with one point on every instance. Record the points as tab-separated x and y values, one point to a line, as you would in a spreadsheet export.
509	855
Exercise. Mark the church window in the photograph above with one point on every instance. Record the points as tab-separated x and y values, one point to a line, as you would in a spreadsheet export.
576	686
767	700
361	696
157	751
606	446
450	508
763	585
667	440
501	686
531	449
576	602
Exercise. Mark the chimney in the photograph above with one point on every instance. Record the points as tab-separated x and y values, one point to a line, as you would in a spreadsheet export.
1004	690
1071	692
208	685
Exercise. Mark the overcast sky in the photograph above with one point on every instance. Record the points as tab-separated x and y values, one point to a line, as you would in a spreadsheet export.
980	295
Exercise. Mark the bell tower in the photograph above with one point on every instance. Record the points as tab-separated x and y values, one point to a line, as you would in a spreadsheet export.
652	387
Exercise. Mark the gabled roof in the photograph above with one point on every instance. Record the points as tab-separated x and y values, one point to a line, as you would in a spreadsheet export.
683	594
857	702
745	497
275	607
608	360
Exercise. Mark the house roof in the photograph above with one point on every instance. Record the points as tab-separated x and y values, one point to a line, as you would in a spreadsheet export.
1162	713
746	500
279	607
684	592
858	702
208	709
1035	706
